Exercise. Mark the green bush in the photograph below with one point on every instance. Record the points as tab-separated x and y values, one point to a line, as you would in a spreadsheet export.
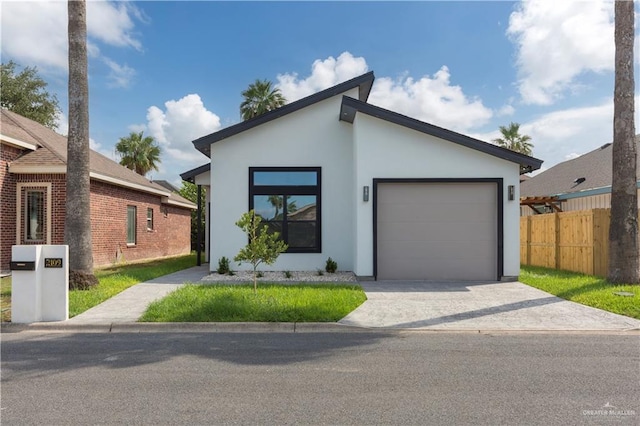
331	266
223	266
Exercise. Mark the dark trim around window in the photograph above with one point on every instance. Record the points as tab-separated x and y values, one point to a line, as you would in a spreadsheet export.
285	190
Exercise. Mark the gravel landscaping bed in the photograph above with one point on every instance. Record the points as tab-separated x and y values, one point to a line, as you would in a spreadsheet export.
279	277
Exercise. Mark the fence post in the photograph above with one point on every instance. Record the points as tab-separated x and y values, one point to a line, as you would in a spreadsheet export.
528	245
556	243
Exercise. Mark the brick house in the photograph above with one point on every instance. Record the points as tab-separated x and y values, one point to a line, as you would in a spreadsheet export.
132	218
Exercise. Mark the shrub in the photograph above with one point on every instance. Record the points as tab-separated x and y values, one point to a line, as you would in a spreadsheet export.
287	274
331	266
223	266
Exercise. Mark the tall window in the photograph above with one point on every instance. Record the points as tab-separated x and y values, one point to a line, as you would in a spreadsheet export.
149	219
288	201
131	225
34	215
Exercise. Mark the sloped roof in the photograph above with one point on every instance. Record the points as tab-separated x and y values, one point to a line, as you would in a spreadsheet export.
567	177
350	106
52	151
190	175
363	83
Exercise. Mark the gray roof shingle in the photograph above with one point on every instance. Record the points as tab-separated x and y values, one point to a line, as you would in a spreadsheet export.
564	178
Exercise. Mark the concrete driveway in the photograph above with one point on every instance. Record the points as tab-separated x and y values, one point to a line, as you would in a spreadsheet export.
483	306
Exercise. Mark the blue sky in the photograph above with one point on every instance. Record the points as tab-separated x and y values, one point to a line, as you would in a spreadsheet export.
176	69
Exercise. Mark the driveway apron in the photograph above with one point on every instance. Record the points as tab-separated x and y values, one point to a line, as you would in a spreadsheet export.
507	306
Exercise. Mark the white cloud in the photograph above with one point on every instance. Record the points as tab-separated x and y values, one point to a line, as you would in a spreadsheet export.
556	42
506	110
324	74
34	33
96	146
120	75
562	135
176	126
431	99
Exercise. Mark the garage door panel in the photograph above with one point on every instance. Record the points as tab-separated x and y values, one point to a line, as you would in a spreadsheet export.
437	231
440	250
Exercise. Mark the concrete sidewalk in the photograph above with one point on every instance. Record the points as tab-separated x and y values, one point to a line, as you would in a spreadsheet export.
129	305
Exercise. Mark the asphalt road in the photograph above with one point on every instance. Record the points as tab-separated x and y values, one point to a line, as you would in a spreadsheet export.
367	377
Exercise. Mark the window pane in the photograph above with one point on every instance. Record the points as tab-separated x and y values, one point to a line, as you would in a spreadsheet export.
302	234
150	219
35	216
301	207
131	224
268	207
286	178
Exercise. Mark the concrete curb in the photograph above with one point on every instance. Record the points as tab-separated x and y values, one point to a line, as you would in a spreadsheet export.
273	327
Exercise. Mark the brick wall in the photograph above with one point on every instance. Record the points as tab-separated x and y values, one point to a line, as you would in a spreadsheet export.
171	228
7	203
170	234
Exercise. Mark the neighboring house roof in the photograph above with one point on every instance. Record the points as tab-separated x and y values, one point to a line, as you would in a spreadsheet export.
350	106
168	185
50	156
589	174
363	83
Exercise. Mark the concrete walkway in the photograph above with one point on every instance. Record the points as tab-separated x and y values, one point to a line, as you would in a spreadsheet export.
129	305
482	306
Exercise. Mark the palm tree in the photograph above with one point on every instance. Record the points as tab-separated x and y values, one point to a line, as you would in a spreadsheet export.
623	231
513	140
259	98
140	154
77	223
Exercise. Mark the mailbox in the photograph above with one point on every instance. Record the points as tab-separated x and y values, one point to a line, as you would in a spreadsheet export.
23	266
39	283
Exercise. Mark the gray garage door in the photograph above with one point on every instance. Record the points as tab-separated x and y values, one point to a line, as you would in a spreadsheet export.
436	231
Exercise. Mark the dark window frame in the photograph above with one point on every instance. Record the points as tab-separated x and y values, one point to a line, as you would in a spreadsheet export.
291	190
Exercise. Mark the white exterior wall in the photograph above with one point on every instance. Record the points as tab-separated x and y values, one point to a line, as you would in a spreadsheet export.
386	150
310	137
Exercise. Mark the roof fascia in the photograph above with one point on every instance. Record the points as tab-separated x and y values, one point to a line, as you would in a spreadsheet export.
363	82
190	176
166	200
350	106
589	192
36	169
18	143
131	185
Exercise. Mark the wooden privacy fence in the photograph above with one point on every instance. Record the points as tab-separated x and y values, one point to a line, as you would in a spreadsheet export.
575	241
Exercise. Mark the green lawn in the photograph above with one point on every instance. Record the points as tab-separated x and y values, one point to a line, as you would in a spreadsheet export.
115	279
273	303
585	289
5	298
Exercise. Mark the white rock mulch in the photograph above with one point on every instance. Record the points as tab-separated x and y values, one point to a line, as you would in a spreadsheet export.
279	277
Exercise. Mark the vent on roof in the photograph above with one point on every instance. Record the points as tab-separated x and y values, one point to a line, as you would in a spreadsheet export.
605	145
579	181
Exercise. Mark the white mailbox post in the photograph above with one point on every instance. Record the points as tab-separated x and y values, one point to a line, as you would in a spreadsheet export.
39	283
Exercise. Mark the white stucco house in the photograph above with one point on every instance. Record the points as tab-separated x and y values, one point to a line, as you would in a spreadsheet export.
384	195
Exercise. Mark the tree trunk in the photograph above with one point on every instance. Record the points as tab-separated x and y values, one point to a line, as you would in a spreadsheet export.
623	233
77	225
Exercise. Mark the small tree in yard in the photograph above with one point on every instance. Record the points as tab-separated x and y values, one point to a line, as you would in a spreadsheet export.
263	247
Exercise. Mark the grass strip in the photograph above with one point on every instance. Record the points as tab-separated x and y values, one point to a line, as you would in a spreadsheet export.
116	279
272	303
585	289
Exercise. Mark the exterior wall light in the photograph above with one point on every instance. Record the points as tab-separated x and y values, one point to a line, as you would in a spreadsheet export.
365	193
512	192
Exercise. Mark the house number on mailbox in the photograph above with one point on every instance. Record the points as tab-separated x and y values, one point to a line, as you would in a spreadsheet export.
53	262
